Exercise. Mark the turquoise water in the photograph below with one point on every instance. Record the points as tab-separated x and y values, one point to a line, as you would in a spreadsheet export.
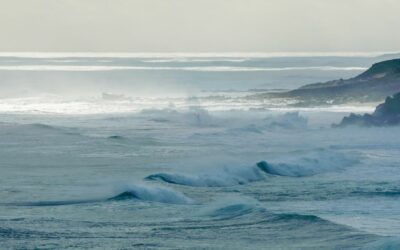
80	182
178	173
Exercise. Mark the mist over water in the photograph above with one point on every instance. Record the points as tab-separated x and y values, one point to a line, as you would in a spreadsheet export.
107	83
168	152
166	75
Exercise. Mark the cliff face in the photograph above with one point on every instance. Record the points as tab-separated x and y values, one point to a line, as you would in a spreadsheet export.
379	81
386	114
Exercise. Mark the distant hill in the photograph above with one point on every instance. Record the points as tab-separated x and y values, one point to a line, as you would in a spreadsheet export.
386	114
374	85
386	57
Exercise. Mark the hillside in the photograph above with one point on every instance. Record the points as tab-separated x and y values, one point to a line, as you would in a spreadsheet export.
374	85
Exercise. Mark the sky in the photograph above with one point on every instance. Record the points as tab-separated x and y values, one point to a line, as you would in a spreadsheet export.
199	25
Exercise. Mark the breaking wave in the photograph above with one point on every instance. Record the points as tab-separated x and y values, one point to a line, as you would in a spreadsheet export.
233	123
132	192
286	121
226	176
301	164
154	194
298	164
290	120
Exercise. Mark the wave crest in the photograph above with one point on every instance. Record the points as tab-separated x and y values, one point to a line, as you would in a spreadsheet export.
154	194
227	176
310	163
135	192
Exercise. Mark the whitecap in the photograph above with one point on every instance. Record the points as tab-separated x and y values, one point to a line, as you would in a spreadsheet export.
308	163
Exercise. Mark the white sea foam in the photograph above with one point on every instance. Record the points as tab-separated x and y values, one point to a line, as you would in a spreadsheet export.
289	120
294	164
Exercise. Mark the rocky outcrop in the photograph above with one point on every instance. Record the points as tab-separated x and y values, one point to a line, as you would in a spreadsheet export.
386	114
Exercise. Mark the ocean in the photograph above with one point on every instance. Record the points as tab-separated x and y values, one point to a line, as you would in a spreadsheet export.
167	151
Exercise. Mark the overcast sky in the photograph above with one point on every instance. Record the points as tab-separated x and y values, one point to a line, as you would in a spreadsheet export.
199	25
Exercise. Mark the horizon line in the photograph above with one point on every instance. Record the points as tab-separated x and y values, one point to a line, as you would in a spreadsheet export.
48	54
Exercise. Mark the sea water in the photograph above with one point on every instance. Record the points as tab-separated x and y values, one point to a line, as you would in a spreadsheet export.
197	166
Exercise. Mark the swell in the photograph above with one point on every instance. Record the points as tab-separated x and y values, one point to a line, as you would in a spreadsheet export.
226	176
133	192
297	164
386	243
44	129
42	126
116	137
53	203
235	207
302	164
248	214
389	193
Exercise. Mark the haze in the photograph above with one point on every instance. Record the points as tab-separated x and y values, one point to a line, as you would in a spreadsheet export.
199	26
